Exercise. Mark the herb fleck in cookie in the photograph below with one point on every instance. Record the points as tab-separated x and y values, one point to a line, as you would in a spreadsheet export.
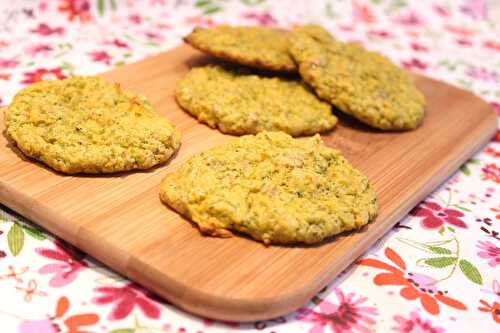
239	102
273	187
260	47
361	83
84	124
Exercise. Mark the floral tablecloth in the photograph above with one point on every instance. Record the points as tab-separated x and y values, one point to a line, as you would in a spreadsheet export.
435	271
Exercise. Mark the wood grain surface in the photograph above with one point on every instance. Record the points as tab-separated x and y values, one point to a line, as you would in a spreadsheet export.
120	220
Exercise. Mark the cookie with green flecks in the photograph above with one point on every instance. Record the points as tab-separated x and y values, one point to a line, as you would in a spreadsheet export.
238	101
363	84
87	125
259	47
273	187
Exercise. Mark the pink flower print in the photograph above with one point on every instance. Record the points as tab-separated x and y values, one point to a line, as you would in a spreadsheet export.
350	315
435	216
489	251
412	33
414	63
459	30
475	9
200	20
415	324
482	74
124	299
344	27
79	9
8	63
489	44
118	43
42	74
491	172
100	56
409	19
42	49
441	11
44	29
463	42
362	13
68	266
135	19
495	289
418	47
264	19
155	36
379	34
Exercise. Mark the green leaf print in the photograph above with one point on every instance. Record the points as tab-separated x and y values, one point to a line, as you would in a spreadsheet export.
208	6
329	10
211	10
123	330
15	239
462	208
100	7
439	250
465	169
252	2
35	233
440	262
394	5
470	271
202	3
316	300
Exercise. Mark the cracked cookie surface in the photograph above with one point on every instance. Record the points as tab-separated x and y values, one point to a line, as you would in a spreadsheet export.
239	102
86	125
273	187
259	47
361	83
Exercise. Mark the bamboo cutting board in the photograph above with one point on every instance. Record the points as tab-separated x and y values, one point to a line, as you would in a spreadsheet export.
120	220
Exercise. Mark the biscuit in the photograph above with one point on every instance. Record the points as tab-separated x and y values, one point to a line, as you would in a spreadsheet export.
86	125
273	187
259	47
239	102
361	83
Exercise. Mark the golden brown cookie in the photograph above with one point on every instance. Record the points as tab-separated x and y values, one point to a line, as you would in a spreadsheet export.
273	187
361	83
259	47
239	102
84	124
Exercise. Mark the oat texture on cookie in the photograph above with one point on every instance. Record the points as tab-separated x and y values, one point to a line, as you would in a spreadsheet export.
363	84
273	187
239	102
86	125
260	47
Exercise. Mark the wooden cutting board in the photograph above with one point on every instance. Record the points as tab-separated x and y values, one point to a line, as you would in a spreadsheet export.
120	220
